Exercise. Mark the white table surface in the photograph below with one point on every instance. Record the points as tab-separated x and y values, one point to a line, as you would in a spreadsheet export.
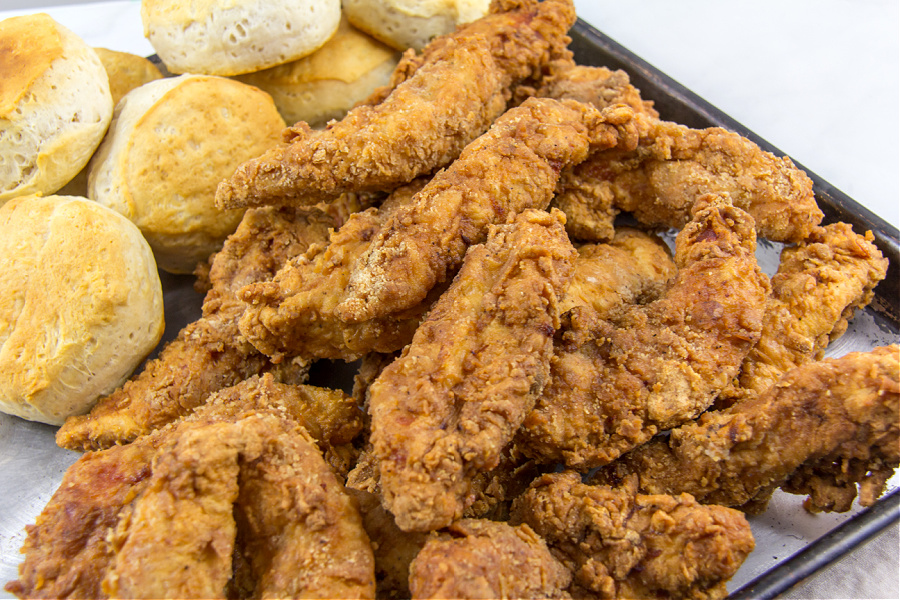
819	79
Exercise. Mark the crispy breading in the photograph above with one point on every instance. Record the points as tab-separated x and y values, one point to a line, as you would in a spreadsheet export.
672	165
819	285
597	86
824	427
208	354
299	533
177	537
294	313
69	552
453	400
462	83
616	382
513	167
393	548
632	267
620	544
477	558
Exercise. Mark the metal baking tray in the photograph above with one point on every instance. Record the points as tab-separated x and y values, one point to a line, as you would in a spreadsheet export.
791	544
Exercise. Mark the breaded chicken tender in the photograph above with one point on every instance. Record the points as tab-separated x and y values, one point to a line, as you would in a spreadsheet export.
821	429
393	548
294	315
176	539
477	558
617	382
598	86
208	354
631	267
674	164
620	544
447	407
514	166
128	519
821	282
462	83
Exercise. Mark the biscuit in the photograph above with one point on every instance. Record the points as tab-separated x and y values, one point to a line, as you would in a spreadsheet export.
406	24
81	305
170	143
55	105
126	71
328	83
222	37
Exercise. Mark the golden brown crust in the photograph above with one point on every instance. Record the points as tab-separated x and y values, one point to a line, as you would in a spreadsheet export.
598	86
126	71
476	558
819	285
511	168
825	426
633	267
674	164
131	501
619	544
448	406
617	382
28	44
294	314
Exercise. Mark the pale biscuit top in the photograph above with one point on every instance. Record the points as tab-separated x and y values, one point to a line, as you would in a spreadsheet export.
406	24
231	37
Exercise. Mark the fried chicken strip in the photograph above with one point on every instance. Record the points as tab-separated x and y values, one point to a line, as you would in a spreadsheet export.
300	533
632	266
449	405
820	284
68	552
177	538
393	548
293	315
825	426
463	83
477	558
616	382
331	417
208	354
514	166
619	544
585	199
598	86
673	164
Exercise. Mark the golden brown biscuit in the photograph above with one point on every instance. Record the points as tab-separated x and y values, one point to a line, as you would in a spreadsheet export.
329	82
55	105
170	143
80	305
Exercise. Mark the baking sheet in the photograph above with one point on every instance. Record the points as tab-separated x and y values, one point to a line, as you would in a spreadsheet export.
791	544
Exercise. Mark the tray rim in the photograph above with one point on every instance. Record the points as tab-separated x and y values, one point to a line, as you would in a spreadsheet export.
837	206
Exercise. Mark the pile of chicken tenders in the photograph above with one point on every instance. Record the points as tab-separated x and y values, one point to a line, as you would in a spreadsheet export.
550	402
